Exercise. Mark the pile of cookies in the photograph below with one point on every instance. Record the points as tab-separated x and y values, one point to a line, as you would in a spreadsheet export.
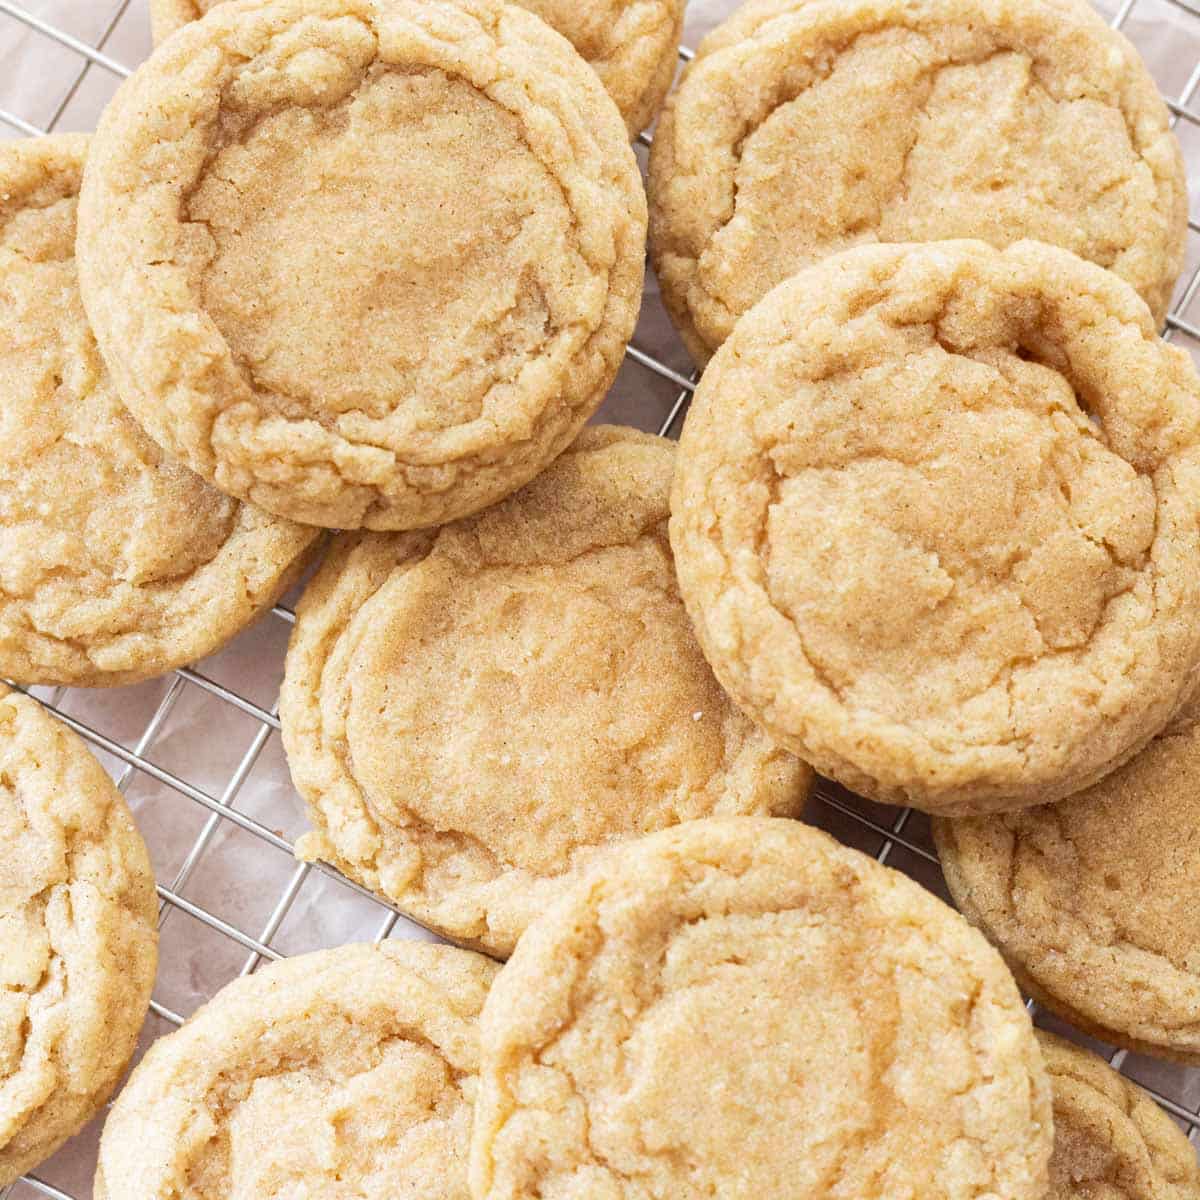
558	693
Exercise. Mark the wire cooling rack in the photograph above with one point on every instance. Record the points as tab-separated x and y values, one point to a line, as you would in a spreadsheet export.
198	752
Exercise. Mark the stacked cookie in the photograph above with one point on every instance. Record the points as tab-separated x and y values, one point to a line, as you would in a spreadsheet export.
933	527
301	291
805	128
936	505
736	1007
936	522
935	514
119	563
295	308
476	713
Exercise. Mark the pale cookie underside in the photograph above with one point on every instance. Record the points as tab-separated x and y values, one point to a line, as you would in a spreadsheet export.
728	969
116	564
348	1071
450	697
1093	900
631	44
77	924
1110	1138
934	520
303	291
802	129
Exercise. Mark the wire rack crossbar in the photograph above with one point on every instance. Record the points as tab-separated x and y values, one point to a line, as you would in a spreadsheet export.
884	836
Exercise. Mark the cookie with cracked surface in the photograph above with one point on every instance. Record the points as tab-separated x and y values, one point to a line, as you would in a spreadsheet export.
474	714
300	286
631	44
1093	901
807	127
741	1007
116	563
78	918
347	1072
1111	1141
935	520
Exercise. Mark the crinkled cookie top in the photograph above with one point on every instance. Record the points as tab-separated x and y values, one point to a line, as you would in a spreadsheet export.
348	1072
742	1008
474	715
935	516
1094	900
1111	1140
78	943
364	263
116	563
808	126
631	44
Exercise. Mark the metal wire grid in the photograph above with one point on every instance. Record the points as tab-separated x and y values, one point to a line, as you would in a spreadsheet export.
898	837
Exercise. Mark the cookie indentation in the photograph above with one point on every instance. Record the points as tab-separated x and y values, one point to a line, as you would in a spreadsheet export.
935	521
805	127
474	715
705	975
362	264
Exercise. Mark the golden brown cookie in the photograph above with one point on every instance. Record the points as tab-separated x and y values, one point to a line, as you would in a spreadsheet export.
347	1072
742	1008
1093	901
807	127
1111	1141
78	939
473	715
935	520
367	263
116	563
1188	713
631	44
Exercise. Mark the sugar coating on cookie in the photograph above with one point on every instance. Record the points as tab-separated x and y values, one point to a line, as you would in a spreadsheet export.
116	563
1093	901
342	1072
631	44
474	714
743	1008
78	943
1110	1139
935	520
367	263
808	126
1187	715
